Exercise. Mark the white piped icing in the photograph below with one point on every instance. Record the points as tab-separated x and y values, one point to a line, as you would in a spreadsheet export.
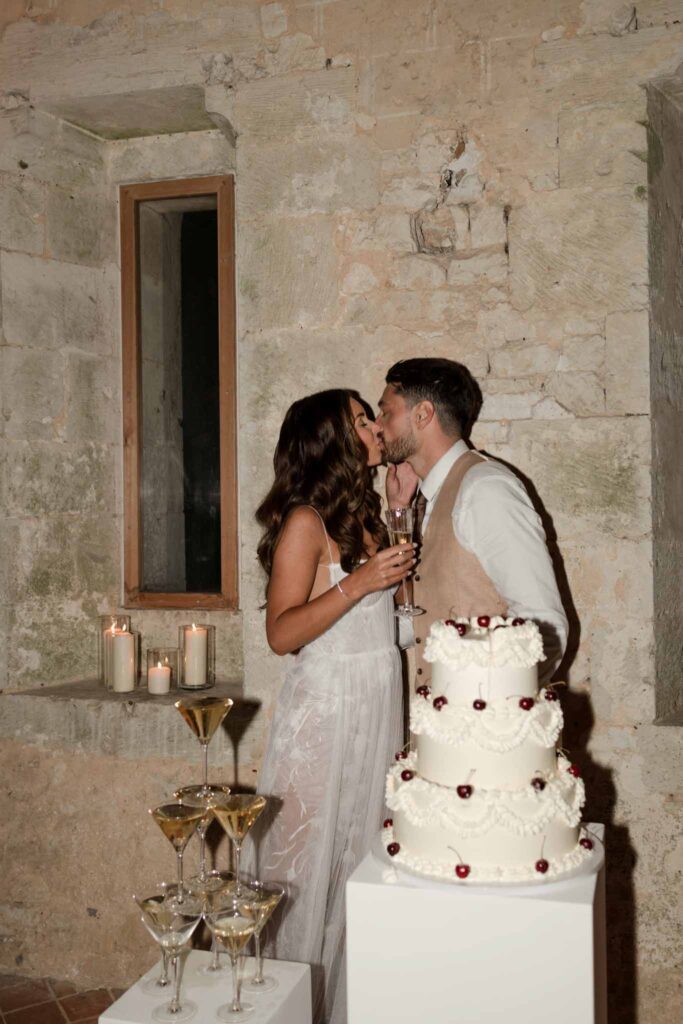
499	727
557	867
487	647
522	812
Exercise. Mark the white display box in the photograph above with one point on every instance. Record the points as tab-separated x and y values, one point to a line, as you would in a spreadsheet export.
289	1003
440	953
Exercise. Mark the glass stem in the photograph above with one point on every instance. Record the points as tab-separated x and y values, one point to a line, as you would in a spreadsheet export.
163	978
405	595
180	875
238	848
258	974
202	852
215	963
236	1008
174	1005
205	752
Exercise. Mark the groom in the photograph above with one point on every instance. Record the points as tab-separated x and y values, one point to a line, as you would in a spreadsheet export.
484	550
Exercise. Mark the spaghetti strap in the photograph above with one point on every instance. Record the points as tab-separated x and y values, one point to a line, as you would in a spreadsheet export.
322	523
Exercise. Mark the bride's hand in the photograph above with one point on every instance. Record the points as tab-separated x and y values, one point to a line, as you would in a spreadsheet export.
401	482
380	572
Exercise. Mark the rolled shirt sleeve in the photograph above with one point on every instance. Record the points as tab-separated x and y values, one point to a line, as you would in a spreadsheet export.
494	519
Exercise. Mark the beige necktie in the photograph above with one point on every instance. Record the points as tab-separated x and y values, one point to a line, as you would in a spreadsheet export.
420	509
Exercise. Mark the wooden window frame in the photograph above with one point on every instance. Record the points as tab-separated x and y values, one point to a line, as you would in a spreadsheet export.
130	196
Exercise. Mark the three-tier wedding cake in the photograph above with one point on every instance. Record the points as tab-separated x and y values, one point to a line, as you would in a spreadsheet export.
485	796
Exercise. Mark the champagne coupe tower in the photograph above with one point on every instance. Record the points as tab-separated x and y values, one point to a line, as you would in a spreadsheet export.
204	715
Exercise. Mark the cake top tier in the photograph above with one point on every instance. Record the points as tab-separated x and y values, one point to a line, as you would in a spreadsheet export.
492	642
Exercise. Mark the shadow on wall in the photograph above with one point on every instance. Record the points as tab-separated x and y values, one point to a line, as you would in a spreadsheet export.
600	799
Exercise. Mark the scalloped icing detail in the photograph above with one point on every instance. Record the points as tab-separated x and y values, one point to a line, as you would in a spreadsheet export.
498	645
426	804
519	873
455	725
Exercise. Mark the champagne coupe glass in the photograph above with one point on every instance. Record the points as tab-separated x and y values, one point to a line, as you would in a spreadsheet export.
178	822
204	715
265	897
401	524
171	923
233	923
156	986
203	798
237	813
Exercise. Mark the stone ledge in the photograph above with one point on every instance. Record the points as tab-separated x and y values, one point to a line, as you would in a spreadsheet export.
675	718
84	717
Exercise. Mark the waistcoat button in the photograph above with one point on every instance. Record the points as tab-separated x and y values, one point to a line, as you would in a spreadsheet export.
419	671
416	578
418	639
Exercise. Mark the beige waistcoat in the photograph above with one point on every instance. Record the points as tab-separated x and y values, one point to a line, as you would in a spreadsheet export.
450	580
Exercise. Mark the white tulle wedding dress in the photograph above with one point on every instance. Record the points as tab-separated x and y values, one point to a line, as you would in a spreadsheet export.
336	725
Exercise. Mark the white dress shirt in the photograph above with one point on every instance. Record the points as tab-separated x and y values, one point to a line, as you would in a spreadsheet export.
494	519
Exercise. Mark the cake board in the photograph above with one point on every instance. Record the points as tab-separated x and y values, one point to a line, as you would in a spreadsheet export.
422	949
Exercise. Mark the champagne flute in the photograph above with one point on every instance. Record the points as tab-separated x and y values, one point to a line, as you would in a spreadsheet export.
157	986
204	715
237	813
178	823
204	798
232	924
400	523
171	923
265	897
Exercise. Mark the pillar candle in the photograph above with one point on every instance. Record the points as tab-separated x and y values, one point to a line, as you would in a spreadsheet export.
195	656
159	679
123	661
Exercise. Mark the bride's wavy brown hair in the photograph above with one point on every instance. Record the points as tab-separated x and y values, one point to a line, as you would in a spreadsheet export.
320	461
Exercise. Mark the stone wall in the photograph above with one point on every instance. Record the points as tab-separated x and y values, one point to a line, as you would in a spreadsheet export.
424	177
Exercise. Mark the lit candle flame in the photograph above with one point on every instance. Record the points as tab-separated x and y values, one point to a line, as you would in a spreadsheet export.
124	627
194	627
158	664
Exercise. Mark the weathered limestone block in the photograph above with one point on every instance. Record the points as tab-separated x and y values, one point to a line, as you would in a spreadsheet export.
287	272
627	378
46	149
582	394
80	228
295	105
508	399
618	18
599	147
571	250
22	214
321	175
498	19
417	272
187	155
93	388
585	353
517	359
481	268
33	395
430	82
43	477
520	147
273	20
375	232
362	28
53	305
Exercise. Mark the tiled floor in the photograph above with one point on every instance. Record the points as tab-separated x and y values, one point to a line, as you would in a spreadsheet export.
44	1001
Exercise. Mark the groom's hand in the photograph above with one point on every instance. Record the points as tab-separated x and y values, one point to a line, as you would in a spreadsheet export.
401	481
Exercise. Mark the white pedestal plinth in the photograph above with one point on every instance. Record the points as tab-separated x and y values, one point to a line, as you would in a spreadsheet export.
289	1003
435	953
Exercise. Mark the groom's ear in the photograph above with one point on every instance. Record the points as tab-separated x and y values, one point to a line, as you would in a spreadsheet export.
423	414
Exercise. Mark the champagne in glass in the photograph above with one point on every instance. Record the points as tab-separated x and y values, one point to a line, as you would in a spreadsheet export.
264	896
232	925
237	813
400	524
171	923
204	798
177	822
204	715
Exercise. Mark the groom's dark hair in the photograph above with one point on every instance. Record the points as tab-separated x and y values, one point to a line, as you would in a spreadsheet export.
448	385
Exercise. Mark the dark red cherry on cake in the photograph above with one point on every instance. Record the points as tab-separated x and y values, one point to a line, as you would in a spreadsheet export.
518	622
479	704
574	770
451	622
550	695
586	843
439	702
400	755
461	628
407	775
462	870
392	849
538	784
388	822
464	792
423	691
526	703
541	866
484	621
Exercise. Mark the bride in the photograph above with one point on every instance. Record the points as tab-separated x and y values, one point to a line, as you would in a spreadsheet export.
338	717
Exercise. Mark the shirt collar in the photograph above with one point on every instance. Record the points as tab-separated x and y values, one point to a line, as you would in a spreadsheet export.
431	484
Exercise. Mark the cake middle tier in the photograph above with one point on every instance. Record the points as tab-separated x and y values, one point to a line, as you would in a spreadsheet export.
501	746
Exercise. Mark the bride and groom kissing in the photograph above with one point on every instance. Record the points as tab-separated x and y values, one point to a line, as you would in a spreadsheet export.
331	581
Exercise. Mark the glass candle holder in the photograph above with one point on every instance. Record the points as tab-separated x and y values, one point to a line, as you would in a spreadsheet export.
162	669
110	625
197	645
